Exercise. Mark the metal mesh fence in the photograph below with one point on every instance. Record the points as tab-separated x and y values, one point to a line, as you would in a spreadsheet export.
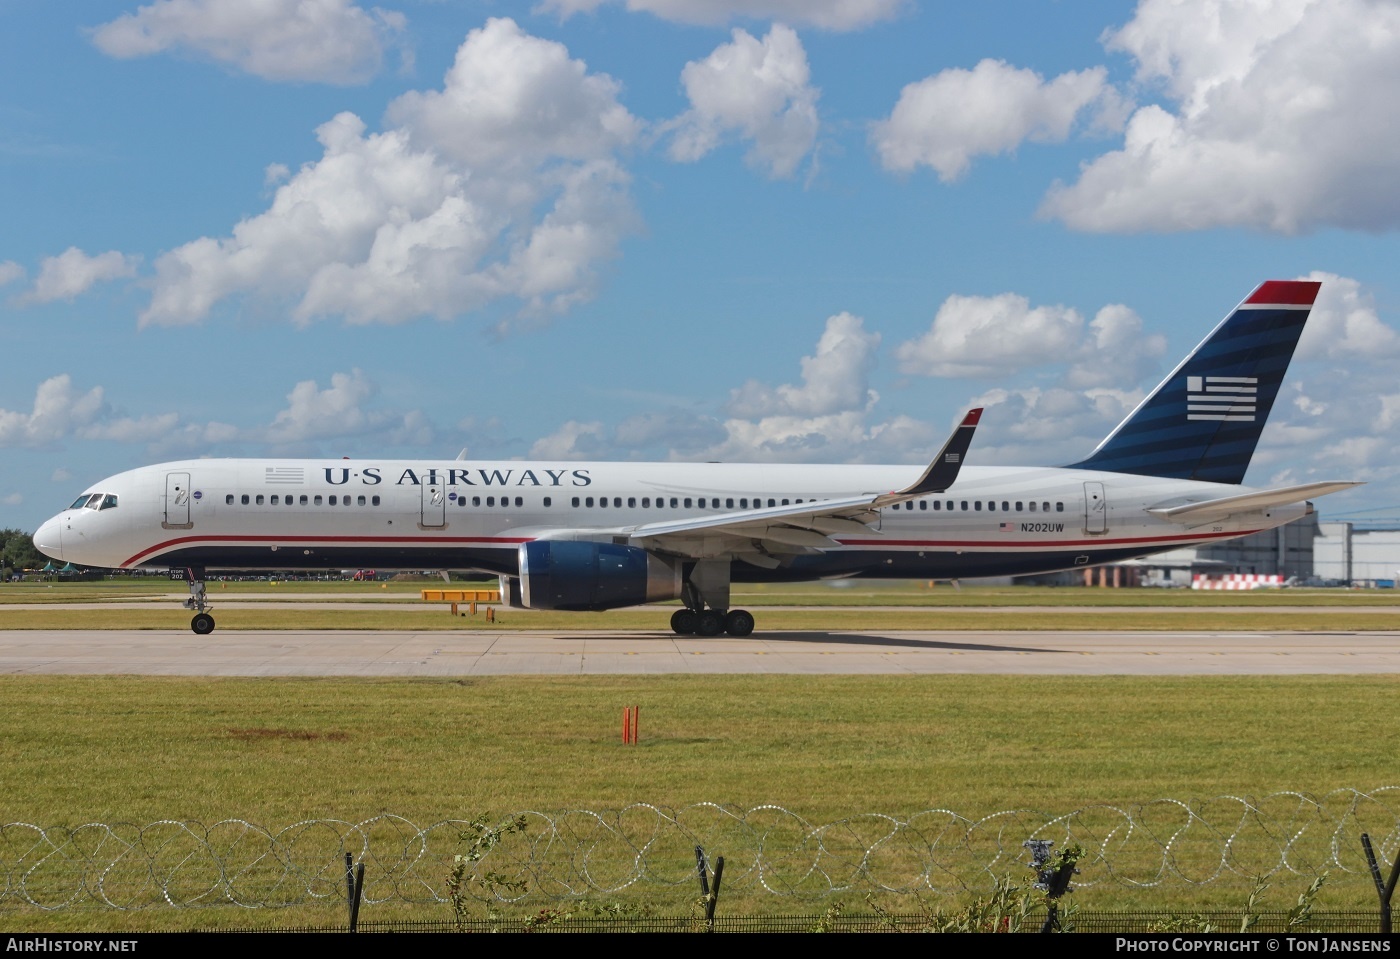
768	849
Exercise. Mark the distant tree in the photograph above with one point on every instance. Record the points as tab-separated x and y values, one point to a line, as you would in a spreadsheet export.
17	551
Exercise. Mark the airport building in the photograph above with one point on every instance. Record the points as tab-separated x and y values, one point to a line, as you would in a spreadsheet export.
1309	551
1306	552
1361	556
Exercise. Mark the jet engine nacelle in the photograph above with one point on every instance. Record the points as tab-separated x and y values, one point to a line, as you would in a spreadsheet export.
561	574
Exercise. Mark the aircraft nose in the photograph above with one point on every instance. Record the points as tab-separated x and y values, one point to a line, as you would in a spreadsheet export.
48	539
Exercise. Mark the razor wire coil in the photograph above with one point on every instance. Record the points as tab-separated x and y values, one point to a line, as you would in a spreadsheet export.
581	853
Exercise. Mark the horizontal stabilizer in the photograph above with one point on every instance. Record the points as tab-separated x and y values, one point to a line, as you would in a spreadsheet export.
1204	512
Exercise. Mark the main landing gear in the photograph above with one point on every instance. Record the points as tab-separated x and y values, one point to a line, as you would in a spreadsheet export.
202	623
706	597
712	622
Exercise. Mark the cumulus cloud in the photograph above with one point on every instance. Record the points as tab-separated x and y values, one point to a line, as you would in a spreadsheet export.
1344	323
62	412
835	378
505	184
1047	425
981	336
316	413
830	416
986	336
1269	122
320	41
945	120
73	272
756	90
833	15
572	441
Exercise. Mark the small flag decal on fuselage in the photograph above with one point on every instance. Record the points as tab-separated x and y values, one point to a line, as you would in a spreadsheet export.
1222	398
285	475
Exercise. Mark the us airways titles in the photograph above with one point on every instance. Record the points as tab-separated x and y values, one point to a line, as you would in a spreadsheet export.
371	476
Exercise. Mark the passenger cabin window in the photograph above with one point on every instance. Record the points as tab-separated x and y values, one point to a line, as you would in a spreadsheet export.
520	501
274	501
548	501
687	502
228	500
243	499
1059	507
317	499
374	500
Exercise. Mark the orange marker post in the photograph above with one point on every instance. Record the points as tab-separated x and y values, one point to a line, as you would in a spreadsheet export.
636	719
626	724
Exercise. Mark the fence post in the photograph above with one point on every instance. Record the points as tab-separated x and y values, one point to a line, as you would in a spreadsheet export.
1053	882
1385	890
354	887
714	896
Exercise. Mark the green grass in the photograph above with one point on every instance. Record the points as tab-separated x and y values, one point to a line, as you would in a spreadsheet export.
276	751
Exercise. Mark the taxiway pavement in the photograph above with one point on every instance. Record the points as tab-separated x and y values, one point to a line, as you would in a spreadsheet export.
591	652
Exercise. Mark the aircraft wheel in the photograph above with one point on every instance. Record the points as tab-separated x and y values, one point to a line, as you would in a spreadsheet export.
203	624
738	622
711	623
684	621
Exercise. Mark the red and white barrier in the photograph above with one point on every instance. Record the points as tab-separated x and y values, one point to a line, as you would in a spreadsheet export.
1237	581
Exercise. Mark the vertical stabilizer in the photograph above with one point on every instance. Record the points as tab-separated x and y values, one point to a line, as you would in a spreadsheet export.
1203	421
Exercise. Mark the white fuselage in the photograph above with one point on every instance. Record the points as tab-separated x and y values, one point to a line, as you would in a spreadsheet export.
324	514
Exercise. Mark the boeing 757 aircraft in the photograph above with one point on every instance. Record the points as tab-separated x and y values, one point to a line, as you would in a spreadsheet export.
595	536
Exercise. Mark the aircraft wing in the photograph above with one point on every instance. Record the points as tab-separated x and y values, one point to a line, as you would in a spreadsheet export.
1211	509
755	534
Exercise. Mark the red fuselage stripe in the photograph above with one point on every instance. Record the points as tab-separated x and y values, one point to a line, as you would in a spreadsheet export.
318	540
943	544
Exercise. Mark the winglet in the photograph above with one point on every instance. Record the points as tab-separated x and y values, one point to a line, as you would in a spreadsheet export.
942	472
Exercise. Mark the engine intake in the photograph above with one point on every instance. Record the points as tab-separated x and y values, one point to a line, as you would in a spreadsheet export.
567	575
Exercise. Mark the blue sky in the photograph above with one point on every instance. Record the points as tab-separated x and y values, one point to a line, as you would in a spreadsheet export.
775	230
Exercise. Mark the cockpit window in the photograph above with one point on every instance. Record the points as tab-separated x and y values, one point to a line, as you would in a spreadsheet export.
94	501
109	501
81	501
